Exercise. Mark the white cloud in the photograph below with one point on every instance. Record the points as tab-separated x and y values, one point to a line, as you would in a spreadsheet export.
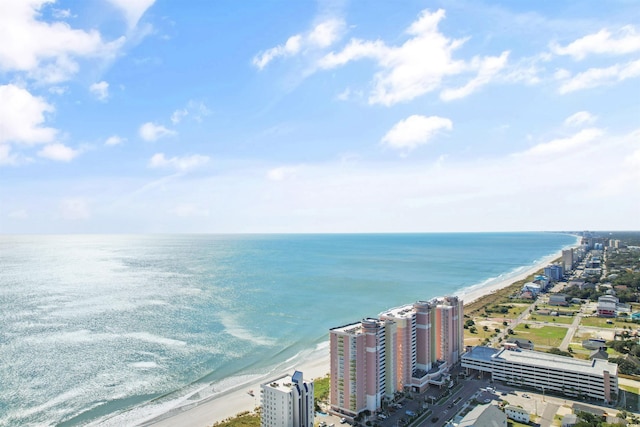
45	51
487	67
58	152
180	164
6	158
419	65
627	40
74	208
321	36
100	90
580	118
22	116
114	140
326	33
152	132
281	173
178	115
561	74
415	130
58	90
133	9
564	145
595	77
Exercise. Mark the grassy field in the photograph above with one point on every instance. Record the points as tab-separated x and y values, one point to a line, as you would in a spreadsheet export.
551	319
599	322
550	336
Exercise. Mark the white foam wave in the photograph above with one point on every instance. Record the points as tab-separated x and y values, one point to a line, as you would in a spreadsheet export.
144	365
233	328
155	339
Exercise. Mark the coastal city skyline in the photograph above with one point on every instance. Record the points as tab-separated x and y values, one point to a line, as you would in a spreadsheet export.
148	116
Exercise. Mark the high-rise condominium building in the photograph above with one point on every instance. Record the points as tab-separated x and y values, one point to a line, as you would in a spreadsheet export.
407	347
287	402
567	259
360	374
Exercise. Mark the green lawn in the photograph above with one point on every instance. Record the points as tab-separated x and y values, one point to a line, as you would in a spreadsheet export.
551	319
550	336
599	322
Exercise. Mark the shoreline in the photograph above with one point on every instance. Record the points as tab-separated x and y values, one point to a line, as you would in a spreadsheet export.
229	403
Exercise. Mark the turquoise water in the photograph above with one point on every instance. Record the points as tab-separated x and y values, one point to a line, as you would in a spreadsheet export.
94	325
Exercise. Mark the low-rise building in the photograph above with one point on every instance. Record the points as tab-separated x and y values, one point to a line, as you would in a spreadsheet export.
558	299
607	305
484	416
517	413
595	379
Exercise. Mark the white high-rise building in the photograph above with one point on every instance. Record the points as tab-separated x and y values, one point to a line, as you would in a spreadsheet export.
287	402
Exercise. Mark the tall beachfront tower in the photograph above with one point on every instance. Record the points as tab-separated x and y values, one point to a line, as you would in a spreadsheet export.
447	324
287	402
362	369
413	340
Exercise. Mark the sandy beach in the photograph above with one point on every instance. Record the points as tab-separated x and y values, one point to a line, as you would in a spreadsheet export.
237	400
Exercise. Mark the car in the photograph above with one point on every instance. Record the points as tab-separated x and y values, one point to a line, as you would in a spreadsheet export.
450	405
434	419
487	400
343	420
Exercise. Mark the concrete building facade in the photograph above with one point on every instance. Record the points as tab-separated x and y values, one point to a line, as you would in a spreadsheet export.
287	402
406	348
595	379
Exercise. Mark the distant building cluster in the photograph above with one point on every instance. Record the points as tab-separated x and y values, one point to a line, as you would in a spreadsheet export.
405	348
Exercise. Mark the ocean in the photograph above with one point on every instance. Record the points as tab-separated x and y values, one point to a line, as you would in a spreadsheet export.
96	326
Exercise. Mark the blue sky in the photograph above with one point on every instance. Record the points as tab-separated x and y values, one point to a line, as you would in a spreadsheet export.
125	116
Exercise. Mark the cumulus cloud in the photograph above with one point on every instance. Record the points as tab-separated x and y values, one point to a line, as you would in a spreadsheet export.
22	117
564	145
419	65
580	118
627	40
152	132
320	36
180	164
132	9
100	90
414	131
595	77
114	140
47	52
58	152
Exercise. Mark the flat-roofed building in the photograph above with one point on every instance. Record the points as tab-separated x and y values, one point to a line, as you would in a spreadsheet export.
287	402
448	330
596	379
362	368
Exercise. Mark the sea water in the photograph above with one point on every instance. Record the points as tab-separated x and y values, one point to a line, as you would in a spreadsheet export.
94	325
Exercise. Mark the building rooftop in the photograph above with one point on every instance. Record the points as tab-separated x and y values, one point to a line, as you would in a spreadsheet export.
481	353
484	416
547	360
283	384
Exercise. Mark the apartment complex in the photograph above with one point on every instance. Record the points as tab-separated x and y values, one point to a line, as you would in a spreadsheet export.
287	402
407	347
595	379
